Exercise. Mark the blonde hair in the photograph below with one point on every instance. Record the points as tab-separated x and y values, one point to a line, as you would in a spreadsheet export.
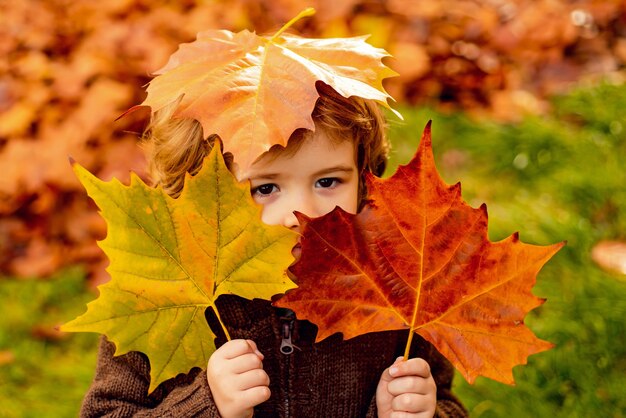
176	146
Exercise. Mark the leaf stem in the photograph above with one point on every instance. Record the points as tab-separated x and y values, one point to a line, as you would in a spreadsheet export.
309	11
408	344
217	314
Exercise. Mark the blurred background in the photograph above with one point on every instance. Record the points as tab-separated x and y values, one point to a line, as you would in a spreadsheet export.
527	100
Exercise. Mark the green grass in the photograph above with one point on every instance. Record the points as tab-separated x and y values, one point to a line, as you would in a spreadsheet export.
552	178
48	375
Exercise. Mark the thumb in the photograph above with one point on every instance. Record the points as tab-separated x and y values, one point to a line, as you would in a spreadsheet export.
254	349
388	374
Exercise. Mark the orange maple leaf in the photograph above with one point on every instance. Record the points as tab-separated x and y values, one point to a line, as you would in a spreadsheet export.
418	257
255	91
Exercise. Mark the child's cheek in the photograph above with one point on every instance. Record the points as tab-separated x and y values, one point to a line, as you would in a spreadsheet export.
271	212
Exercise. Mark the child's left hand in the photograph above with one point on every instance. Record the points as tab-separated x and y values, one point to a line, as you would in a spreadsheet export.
407	389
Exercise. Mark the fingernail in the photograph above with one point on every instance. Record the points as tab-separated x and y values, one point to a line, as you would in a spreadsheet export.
258	353
393	370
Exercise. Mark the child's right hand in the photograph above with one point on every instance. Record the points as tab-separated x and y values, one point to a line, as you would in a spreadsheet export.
237	379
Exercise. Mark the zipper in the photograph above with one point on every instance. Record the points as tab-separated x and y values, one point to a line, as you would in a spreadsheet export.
287	320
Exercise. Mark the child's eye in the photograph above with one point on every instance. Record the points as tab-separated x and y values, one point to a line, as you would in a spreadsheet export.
264	189
327	182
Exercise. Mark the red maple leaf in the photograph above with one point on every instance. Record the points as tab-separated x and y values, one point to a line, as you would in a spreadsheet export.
418	257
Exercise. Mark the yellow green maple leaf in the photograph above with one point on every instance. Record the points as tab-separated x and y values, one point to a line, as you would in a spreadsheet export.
170	259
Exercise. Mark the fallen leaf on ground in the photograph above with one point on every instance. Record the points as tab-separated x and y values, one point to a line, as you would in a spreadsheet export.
610	255
6	357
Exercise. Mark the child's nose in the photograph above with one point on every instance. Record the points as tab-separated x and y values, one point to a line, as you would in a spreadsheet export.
290	221
303	204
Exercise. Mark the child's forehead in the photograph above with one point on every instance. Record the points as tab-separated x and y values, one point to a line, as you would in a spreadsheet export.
321	140
316	149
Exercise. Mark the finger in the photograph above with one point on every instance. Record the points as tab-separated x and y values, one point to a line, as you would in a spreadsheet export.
409	402
411	384
386	377
245	362
254	396
254	348
252	378
411	367
236	348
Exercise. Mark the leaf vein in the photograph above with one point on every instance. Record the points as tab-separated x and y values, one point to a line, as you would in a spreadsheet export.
452	253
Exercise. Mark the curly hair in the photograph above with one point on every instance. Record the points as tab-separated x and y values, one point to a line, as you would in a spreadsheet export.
176	146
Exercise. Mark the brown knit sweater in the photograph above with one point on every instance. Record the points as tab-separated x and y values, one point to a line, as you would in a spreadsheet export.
332	378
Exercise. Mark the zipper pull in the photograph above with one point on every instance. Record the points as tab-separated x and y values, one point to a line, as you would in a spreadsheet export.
288	318
286	347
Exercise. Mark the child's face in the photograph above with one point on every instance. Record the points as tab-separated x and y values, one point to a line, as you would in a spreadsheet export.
320	175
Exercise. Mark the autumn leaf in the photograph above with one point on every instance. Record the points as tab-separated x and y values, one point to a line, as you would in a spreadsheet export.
172	258
418	257
255	91
611	256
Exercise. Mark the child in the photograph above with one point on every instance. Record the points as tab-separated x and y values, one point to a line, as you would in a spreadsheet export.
271	367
